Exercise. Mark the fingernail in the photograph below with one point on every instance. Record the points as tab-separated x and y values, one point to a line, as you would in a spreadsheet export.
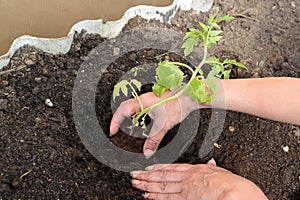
212	162
148	153
149	168
135	182
146	195
134	174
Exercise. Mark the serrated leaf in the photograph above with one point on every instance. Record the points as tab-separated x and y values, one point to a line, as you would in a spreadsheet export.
212	18
215	72
137	84
188	46
217	68
214	40
197	90
118	87
214	59
203	26
169	75
234	62
124	90
195	34
226	17
191	39
215	26
226	74
215	33
158	90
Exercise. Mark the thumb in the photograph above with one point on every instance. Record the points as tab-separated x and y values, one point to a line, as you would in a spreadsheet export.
212	162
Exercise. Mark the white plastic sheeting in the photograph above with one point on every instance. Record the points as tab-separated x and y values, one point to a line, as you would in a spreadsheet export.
108	29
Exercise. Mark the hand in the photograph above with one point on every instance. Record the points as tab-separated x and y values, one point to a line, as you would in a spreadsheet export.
194	182
164	117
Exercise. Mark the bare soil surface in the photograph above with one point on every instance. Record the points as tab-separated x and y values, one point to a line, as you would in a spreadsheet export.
42	156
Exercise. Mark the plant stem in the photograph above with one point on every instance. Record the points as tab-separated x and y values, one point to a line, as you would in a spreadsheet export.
184	65
136	96
195	73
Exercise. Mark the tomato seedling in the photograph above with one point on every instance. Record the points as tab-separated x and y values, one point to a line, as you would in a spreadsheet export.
169	76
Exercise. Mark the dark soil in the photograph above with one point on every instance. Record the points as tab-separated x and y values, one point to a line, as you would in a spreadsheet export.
42	156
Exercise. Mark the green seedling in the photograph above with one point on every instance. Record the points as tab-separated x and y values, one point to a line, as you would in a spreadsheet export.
169	76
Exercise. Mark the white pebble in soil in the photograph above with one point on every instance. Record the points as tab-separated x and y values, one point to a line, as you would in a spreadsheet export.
231	128
218	146
49	103
285	148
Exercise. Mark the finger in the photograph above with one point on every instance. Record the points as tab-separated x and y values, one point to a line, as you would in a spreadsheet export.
152	142
164	188
159	176
129	108
126	109
170	167
212	162
159	196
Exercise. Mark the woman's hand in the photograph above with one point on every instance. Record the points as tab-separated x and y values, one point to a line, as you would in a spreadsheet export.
194	182
164	116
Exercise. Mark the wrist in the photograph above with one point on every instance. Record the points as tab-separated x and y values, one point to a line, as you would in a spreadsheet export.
245	189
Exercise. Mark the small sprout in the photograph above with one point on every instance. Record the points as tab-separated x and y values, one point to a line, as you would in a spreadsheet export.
286	149
49	103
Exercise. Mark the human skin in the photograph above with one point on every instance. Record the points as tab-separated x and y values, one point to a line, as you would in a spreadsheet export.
272	98
194	182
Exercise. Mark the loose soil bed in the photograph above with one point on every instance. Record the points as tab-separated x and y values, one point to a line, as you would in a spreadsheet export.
42	156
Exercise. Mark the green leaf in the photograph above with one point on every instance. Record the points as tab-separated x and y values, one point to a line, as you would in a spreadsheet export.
158	90
215	26
193	33
137	84
188	46
215	73
191	39
215	33
124	90
212	18
226	74
217	68
214	40
214	59
203	26
226	17
197	90
168	75
234	62
120	86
